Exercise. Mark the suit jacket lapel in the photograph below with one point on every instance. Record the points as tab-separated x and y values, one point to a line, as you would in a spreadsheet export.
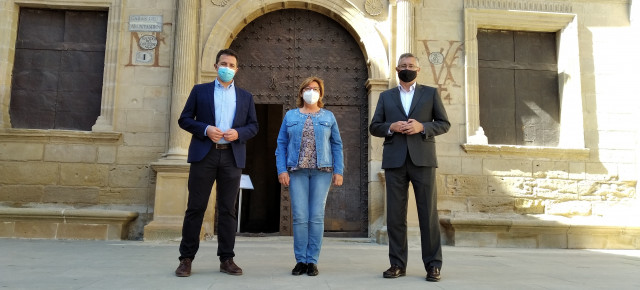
397	100
210	97
239	103
416	98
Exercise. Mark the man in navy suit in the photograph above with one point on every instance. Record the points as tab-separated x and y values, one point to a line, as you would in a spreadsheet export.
221	118
408	118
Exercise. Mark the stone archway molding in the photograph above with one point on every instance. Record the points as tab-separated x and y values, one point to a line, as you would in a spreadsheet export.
243	12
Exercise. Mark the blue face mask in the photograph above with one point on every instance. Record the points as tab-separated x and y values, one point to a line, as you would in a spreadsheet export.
225	74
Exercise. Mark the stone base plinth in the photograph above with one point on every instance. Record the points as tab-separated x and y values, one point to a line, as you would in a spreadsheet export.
158	231
540	231
413	236
63	223
171	200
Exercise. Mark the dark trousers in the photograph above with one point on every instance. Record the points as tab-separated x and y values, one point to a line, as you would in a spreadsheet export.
423	181
218	166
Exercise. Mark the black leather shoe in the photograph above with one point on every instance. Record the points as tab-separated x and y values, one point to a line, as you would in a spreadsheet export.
394	272
299	269
312	269
433	274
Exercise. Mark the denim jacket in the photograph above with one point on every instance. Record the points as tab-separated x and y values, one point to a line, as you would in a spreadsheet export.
328	141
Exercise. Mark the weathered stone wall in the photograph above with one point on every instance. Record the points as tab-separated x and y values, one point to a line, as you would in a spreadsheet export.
104	169
600	181
110	167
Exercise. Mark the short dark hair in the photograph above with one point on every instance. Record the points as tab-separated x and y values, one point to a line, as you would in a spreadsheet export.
227	51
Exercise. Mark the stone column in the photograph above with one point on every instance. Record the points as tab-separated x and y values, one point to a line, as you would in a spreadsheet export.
403	33
404	26
184	74
173	170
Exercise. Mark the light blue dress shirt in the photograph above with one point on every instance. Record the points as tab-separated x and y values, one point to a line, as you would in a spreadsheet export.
225	107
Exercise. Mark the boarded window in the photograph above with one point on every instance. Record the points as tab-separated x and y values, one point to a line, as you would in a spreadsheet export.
518	87
58	68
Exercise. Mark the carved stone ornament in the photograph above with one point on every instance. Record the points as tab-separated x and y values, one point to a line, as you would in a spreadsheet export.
220	3
373	7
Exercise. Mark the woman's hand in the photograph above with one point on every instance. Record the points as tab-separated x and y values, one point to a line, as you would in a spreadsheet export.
337	179
283	178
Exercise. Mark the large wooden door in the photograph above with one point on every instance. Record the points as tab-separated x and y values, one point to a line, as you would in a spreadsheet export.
58	69
276	52
518	86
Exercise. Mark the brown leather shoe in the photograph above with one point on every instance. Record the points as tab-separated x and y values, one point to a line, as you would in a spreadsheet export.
394	272
184	269
230	268
433	274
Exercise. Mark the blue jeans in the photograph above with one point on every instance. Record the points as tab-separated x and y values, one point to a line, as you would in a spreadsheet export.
308	189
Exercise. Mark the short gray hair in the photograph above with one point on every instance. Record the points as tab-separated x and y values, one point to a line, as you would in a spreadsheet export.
408	54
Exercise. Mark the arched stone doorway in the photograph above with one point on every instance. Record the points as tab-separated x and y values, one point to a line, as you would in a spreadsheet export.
277	51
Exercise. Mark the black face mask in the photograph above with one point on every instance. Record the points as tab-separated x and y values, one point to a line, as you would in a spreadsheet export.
407	75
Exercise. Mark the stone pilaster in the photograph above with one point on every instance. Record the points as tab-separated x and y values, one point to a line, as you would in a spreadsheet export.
104	123
377	193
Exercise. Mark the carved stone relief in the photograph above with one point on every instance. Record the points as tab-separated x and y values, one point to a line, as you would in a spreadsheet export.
373	7
220	3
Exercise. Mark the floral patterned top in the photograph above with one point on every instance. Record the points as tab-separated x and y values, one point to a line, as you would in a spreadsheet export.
308	154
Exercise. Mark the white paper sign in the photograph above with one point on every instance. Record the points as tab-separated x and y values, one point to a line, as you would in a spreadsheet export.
245	182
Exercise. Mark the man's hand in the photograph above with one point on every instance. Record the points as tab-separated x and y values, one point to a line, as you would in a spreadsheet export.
407	127
214	133
412	127
397	126
231	135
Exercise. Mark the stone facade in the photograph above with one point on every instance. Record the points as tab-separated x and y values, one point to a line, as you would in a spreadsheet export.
134	159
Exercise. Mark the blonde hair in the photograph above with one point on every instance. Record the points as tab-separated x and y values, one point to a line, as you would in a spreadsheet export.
304	84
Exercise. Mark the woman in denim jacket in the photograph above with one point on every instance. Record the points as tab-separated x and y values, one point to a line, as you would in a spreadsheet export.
309	159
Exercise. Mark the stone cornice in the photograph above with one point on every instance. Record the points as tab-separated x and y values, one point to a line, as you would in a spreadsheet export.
171	166
36	135
528	5
527	151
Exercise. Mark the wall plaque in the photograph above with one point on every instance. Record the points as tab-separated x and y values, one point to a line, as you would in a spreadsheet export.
144	57
436	58
151	23
148	42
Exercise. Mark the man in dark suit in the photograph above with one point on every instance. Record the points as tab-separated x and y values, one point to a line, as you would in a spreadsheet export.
408	118
221	118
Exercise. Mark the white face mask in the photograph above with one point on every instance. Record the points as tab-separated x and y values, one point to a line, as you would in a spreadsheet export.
311	97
